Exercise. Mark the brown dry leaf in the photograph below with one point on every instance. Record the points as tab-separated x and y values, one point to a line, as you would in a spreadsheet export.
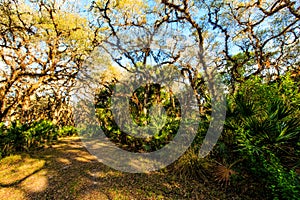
223	174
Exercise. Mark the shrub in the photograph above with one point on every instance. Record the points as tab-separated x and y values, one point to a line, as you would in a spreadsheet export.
23	137
264	121
67	131
40	133
189	165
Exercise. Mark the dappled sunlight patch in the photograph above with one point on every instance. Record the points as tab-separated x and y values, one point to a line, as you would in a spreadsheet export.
76	151
16	168
82	159
40	181
48	156
68	146
105	174
60	146
11	160
64	161
11	194
90	157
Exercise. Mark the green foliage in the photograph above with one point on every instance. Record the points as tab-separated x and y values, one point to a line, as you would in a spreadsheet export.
23	137
39	133
67	131
263	127
143	100
284	184
189	165
13	137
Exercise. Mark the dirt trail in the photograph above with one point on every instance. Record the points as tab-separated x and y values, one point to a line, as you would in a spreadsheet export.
67	171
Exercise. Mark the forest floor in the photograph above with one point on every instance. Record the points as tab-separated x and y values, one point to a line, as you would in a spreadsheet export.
66	170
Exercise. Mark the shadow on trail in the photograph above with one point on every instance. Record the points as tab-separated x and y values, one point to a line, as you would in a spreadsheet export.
70	172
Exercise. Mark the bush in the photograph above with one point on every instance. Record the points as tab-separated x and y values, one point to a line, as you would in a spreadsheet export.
67	131
189	165
12	138
263	120
23	137
40	133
